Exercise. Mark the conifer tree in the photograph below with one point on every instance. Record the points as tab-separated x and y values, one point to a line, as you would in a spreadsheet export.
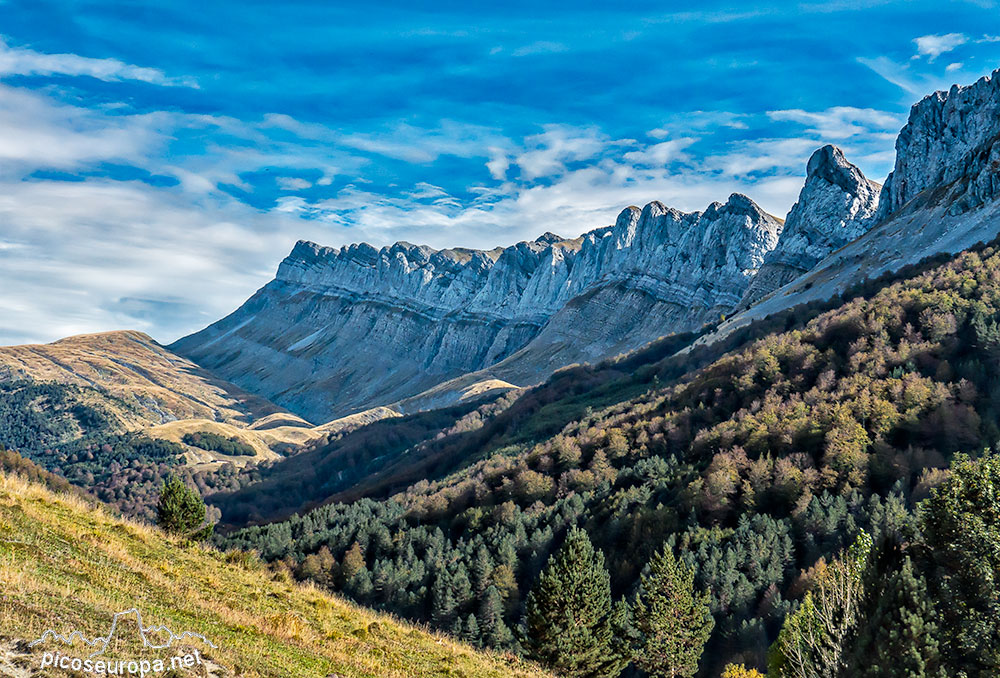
492	628
900	636
673	621
567	625
443	601
461	588
960	526
180	509
482	568
471	633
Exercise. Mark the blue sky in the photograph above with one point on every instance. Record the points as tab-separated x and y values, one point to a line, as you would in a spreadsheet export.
157	160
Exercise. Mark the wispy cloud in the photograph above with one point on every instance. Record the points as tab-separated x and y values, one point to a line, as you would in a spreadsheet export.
841	122
540	47
38	132
933	46
24	61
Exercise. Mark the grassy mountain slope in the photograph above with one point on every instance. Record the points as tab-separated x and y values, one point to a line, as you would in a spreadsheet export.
134	368
753	467
63	563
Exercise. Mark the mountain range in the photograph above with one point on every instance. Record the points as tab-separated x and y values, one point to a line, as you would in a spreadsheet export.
420	429
342	330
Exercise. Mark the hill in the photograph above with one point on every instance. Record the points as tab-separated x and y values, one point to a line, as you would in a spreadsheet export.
133	368
63	563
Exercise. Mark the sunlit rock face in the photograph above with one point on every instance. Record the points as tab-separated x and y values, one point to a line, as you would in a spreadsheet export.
941	197
343	329
951	143
836	205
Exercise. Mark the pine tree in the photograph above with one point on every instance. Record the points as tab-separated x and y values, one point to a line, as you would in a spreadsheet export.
960	526
461	588
673	621
900	636
492	628
568	615
181	509
482	568
471	633
443	601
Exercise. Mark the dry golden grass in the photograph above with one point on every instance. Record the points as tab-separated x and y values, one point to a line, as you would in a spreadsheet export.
66	566
133	367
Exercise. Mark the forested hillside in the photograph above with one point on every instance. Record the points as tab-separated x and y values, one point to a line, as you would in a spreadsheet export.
755	470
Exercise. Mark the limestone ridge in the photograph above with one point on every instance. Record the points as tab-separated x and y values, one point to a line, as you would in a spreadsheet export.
836	205
342	329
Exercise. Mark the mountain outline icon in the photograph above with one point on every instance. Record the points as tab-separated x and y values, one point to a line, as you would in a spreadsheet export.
103	641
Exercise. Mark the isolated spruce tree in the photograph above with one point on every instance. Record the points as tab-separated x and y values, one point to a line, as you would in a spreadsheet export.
673	621
568	616
181	509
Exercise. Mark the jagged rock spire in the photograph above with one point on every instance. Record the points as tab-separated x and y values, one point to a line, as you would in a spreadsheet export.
836	205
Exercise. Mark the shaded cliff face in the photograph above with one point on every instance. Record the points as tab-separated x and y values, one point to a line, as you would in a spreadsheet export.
345	329
836	205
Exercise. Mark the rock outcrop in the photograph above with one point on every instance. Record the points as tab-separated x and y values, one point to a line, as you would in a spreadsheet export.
951	145
836	205
941	197
343	329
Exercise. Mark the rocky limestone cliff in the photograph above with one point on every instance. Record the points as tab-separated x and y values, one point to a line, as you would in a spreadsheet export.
940	197
344	329
951	143
836	205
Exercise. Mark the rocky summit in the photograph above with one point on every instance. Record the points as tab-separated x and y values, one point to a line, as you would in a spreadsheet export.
941	197
343	329
836	205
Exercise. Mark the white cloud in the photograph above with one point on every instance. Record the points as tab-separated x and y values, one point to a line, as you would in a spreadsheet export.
24	61
540	47
953	67
548	152
498	163
661	154
36	131
915	82
293	183
933	46
840	122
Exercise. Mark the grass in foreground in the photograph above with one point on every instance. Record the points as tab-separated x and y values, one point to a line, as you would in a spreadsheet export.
65	565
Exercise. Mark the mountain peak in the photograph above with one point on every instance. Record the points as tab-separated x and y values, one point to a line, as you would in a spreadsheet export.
836	205
951	139
549	238
829	164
